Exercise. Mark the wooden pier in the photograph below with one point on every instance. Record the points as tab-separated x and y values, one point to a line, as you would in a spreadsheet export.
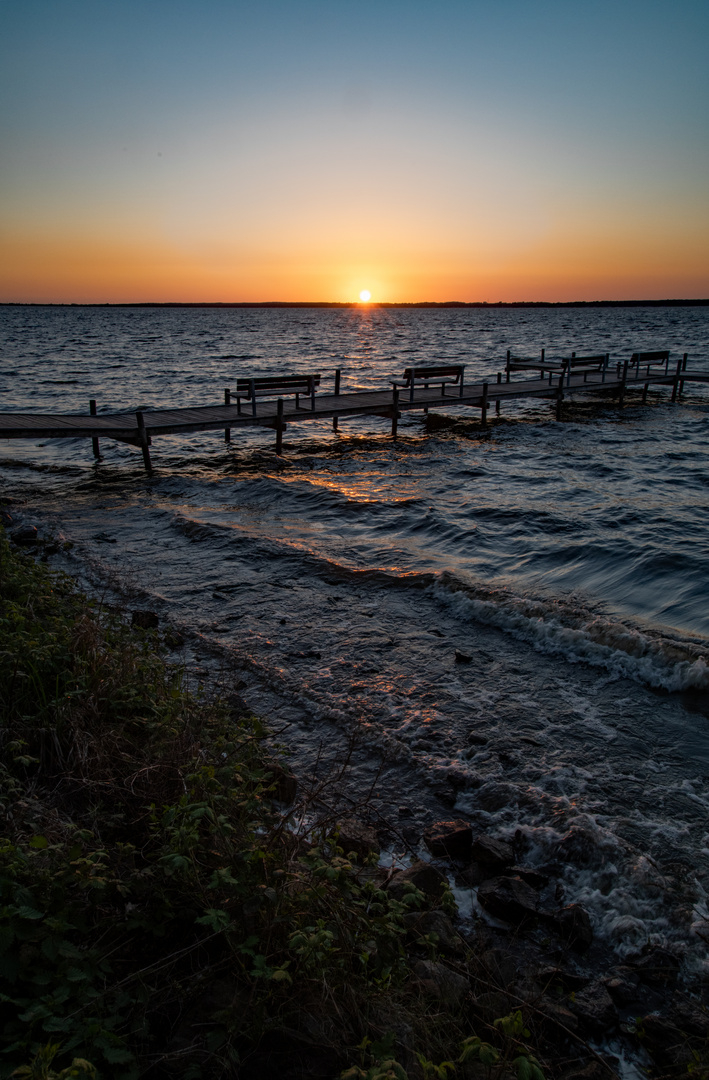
556	381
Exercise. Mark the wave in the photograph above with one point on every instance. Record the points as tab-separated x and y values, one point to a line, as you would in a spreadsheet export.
555	627
581	636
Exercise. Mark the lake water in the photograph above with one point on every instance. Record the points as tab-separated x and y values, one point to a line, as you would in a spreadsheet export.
568	561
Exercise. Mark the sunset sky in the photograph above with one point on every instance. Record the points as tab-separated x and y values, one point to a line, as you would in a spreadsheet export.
228	151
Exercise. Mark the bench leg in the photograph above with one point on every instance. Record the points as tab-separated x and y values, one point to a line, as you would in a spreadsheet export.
279	427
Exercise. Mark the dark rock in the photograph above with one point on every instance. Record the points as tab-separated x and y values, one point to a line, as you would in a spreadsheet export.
533	877
237	705
477	740
558	976
556	1016
657	966
449	838
690	1017
423	876
285	784
664	1040
492	1005
575	928
659	1030
594	1008
104	538
579	846
590	1070
423	923
145	620
622	985
441	982
444	793
492	853
457	778
462	658
356	836
26	534
509	898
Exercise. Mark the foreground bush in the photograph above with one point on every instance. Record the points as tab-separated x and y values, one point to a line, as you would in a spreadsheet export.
157	914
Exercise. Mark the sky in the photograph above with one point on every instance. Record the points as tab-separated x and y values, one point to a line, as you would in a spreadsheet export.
219	150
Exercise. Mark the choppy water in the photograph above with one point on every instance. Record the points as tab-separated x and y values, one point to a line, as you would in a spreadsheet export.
567	560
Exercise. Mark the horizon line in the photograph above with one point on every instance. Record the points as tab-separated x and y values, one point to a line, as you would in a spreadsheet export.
358	303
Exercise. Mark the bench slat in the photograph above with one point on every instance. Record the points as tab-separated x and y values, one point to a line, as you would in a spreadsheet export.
434	372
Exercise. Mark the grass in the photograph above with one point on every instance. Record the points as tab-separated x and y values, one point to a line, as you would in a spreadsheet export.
158	914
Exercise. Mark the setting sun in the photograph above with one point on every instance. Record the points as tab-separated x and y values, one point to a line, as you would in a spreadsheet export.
365	295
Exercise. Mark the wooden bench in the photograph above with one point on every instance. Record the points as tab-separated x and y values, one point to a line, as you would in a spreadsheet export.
524	363
650	359
583	364
562	366
446	375
276	385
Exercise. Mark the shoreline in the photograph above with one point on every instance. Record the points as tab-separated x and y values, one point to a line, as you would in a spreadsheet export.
568	980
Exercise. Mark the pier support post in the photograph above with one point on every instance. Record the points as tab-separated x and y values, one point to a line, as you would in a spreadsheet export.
624	376
497	403
559	396
227	401
684	368
645	392
676	384
508	366
94	442
337	394
395	413
279	426
143	437
483	406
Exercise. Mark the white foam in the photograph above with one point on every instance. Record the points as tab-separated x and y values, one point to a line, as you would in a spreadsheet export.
581	637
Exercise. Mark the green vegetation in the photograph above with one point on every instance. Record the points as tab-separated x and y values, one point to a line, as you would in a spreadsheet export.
158	915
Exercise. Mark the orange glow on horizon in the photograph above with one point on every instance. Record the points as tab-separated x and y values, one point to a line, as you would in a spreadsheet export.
581	262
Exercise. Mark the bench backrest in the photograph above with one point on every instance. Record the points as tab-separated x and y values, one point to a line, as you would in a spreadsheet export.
278	384
574	361
451	372
656	357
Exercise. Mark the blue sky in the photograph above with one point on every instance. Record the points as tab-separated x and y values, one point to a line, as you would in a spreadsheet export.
222	150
